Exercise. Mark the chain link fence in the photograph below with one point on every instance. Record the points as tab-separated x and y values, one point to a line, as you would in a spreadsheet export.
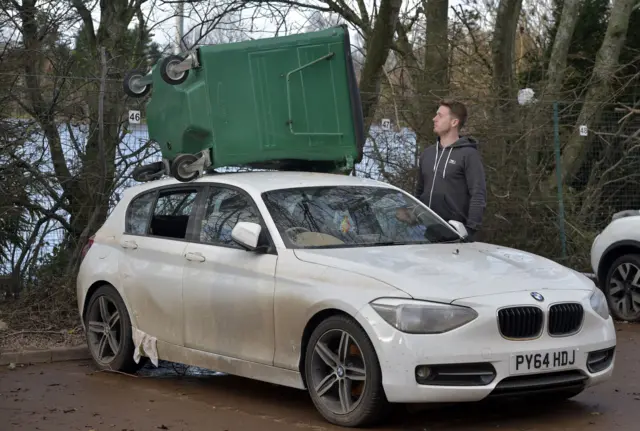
552	184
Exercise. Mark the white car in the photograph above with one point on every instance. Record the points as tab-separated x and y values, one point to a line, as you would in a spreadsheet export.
348	288
615	260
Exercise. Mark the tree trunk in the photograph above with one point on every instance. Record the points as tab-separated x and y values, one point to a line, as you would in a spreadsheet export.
377	50
556	71
502	49
97	175
38	106
507	123
434	82
430	82
560	50
598	92
87	193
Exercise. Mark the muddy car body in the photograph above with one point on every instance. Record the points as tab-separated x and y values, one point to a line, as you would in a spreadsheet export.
346	287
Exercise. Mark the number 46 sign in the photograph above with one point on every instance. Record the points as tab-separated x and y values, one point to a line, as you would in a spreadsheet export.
134	117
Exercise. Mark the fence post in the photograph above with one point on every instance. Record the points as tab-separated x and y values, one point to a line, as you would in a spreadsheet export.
556	139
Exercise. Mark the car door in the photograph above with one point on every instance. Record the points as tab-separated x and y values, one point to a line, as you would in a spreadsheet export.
228	291
157	228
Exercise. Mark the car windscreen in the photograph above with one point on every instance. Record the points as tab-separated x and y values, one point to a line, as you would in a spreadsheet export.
353	216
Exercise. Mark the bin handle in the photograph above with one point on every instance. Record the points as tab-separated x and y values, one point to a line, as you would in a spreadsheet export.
325	57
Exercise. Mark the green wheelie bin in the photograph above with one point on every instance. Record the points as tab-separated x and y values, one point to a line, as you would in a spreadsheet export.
283	103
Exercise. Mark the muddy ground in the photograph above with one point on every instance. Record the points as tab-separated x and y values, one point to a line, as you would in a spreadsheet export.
72	396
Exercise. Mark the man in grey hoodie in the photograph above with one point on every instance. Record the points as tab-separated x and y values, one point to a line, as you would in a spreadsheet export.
451	180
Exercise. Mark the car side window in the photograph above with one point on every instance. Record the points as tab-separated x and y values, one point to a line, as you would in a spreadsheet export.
224	209
137	219
172	212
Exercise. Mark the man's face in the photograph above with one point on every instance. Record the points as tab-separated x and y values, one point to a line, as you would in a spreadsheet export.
402	214
443	122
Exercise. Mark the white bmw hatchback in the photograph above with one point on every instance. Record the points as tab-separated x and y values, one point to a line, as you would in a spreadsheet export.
348	288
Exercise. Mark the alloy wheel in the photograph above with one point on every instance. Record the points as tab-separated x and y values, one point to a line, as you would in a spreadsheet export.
104	330
624	290
339	371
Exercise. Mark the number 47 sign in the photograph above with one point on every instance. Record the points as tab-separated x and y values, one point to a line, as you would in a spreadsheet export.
134	117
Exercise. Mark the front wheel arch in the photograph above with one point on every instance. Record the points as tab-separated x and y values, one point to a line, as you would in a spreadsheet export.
371	405
611	254
311	325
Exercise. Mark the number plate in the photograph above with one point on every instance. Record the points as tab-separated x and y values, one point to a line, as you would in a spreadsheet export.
536	362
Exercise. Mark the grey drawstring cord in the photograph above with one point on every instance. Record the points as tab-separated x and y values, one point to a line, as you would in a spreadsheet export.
446	163
436	163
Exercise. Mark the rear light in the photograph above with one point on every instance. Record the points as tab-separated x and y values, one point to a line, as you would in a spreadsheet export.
86	248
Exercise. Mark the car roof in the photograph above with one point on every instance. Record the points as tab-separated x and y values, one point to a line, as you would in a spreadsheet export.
260	182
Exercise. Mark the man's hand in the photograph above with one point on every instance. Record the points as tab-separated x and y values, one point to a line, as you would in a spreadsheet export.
471	233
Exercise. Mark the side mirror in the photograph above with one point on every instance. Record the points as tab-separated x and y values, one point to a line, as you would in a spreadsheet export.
247	234
459	227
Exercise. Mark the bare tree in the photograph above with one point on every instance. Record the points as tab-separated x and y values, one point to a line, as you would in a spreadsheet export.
541	113
599	90
427	62
75	99
502	49
558	60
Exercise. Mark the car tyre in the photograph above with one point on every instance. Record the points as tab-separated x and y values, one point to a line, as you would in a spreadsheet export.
615	288
339	360
108	332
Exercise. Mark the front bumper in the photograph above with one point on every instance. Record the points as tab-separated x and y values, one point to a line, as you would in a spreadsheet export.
473	362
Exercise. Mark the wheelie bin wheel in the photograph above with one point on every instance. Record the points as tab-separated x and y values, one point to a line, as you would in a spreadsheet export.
131	86
148	172
182	165
170	76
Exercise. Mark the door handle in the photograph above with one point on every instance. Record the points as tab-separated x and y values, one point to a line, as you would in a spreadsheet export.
195	257
129	244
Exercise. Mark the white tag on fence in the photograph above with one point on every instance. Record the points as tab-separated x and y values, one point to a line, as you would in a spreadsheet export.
584	131
134	117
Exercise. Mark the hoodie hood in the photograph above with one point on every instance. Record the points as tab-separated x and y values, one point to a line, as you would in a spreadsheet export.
462	142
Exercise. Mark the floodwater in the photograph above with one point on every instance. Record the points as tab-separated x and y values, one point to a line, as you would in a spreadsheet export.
73	396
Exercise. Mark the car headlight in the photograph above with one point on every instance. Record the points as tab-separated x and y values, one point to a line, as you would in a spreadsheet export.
599	303
420	317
